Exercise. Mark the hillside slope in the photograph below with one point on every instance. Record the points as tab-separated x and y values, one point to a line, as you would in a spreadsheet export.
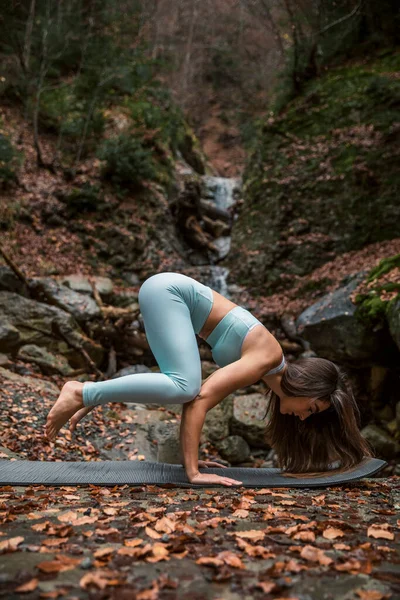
323	178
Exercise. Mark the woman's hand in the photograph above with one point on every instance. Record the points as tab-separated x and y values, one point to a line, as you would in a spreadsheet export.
216	479
209	463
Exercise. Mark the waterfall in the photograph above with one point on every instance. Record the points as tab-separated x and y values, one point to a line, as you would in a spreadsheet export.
223	192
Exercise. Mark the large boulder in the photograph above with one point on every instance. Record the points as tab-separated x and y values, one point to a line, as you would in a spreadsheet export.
81	306
49	362
383	444
335	330
234	448
217	422
10	282
9	336
81	283
27	321
247	419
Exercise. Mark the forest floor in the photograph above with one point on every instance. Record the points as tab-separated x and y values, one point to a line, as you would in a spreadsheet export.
159	542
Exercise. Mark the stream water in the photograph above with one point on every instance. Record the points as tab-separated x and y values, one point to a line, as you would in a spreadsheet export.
223	192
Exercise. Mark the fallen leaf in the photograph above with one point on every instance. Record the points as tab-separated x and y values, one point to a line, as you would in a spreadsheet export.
332	533
377	530
29	586
11	544
103	552
315	554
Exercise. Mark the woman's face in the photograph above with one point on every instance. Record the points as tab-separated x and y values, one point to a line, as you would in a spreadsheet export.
300	406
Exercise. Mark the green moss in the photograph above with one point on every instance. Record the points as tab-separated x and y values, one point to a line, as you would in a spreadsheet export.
329	158
371	307
385	265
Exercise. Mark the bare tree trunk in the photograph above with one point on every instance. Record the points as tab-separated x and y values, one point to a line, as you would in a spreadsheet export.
28	36
188	52
296	49
154	51
44	65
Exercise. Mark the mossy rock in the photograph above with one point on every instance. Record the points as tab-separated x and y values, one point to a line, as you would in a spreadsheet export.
382	298
329	160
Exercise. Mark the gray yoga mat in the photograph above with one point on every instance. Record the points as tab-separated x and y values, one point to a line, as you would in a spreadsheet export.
120	472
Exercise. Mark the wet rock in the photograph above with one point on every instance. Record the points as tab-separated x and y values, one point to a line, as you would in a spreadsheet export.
49	363
132	278
81	306
335	331
207	368
86	563
234	449
131	370
217	422
46	326
384	445
4	359
10	282
247	419
166	434
169	449
9	336
80	283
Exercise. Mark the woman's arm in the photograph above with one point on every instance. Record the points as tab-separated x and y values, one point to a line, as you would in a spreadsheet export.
220	384
193	417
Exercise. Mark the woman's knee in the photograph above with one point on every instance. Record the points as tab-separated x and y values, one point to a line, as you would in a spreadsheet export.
188	393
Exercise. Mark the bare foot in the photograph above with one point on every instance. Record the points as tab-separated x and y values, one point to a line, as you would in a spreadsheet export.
68	403
78	416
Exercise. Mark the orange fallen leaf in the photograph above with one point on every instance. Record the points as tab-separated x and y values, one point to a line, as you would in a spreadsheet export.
103	552
332	533
109	510
377	530
29	586
210	560
94	579
152	533
165	525
61	563
315	554
305	536
371	594
266	586
252	534
40	526
133	542
85	520
231	559
11	544
240	513
351	566
55	541
160	552
341	546
68	517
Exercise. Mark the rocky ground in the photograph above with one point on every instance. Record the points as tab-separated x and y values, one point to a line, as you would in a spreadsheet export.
150	542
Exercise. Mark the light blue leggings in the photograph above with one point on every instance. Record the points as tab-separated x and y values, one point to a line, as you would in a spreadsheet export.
174	308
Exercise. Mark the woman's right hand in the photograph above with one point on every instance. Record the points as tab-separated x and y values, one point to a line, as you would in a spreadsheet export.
217	479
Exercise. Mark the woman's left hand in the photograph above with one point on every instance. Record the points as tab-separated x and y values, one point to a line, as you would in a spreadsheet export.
203	464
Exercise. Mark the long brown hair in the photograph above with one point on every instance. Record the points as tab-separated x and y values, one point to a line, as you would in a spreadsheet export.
309	447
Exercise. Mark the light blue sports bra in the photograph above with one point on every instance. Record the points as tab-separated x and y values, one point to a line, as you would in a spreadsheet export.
278	368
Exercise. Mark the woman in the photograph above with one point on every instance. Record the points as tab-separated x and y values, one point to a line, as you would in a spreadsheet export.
175	308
